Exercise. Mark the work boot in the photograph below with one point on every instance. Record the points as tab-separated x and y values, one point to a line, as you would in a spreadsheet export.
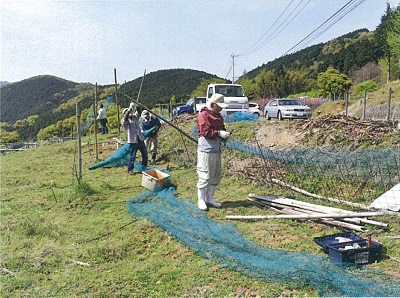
201	192
210	197
153	158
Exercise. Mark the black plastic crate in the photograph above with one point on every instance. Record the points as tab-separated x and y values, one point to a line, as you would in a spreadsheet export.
326	241
361	255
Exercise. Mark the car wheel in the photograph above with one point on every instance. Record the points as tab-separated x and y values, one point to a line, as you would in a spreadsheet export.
256	115
280	116
267	116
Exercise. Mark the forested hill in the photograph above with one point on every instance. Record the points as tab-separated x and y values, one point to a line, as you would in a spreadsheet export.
35	103
36	96
346	53
160	86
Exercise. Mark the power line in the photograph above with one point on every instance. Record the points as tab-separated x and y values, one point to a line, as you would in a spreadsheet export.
280	28
337	16
262	42
249	50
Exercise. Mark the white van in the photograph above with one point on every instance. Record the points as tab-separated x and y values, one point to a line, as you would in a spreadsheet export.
235	97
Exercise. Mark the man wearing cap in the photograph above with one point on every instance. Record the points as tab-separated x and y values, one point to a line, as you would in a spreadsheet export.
135	136
150	126
212	136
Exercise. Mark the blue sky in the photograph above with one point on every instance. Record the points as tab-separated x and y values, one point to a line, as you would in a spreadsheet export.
83	41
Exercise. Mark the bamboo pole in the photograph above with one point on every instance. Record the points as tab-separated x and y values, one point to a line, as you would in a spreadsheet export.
95	123
116	101
313	207
346	223
277	208
331	222
306	193
140	88
78	120
305	216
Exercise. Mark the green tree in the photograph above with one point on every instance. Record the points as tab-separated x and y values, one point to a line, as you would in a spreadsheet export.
332	82
249	87
265	84
367	86
381	37
393	41
9	136
47	132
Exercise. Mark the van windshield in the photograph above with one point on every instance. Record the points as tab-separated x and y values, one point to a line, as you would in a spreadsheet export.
230	91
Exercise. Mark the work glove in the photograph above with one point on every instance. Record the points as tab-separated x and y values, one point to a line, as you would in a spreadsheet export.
224	134
132	106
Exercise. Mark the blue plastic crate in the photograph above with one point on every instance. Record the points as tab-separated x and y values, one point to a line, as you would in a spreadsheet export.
326	241
361	255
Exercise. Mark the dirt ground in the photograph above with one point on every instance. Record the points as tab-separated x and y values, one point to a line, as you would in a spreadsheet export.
274	133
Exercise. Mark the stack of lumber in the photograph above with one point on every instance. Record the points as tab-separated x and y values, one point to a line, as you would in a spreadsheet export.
293	209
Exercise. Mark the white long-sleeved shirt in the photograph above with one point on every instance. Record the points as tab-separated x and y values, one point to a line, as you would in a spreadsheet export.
102	114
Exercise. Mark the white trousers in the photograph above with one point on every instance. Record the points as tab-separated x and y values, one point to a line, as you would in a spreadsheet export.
208	169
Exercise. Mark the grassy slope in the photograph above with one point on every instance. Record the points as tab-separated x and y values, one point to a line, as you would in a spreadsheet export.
379	97
48	223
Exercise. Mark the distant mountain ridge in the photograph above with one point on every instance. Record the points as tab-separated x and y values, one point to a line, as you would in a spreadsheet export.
36	96
44	95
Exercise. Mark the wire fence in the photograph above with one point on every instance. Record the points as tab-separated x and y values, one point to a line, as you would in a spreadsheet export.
358	176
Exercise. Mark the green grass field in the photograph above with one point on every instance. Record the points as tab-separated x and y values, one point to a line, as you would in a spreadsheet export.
64	239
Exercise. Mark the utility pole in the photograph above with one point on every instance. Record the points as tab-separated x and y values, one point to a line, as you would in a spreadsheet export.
233	67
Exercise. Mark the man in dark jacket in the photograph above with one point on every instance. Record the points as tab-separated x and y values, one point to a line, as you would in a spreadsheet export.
150	126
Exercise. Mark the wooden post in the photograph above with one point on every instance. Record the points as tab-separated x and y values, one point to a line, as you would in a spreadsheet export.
78	131
95	124
116	101
347	103
389	103
170	109
364	105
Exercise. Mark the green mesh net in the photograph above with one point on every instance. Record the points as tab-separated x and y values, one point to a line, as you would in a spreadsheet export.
225	244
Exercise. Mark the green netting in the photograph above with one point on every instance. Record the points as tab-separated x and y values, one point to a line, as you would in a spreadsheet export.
225	244
119	158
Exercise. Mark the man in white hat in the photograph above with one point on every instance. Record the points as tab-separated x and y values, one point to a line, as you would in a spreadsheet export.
212	135
150	126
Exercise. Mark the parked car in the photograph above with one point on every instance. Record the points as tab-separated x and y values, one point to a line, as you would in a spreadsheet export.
286	108
189	106
255	109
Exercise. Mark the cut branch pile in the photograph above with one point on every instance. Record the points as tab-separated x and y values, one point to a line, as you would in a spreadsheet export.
338	129
302	210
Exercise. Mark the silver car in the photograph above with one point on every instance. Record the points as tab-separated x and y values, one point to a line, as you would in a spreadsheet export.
286	108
